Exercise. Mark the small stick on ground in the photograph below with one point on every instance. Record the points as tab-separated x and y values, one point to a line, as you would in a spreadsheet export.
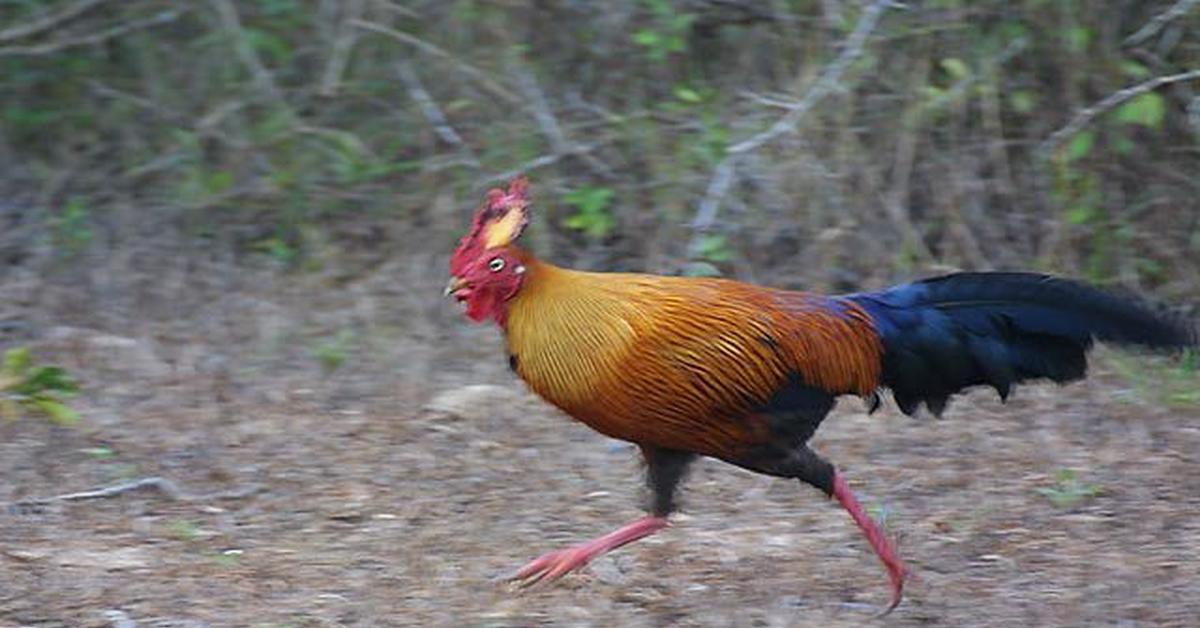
167	487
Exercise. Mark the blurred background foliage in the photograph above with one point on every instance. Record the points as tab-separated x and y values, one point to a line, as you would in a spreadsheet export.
157	154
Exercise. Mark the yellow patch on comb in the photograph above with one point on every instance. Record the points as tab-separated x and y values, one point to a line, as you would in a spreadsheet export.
505	229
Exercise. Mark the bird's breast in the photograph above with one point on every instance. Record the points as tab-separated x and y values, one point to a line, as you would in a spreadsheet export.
569	367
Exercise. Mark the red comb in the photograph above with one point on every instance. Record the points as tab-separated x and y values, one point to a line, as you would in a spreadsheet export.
496	205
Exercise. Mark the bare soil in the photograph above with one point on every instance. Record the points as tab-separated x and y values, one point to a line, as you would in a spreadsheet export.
317	508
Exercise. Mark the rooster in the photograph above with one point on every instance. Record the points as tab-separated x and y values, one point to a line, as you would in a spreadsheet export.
688	367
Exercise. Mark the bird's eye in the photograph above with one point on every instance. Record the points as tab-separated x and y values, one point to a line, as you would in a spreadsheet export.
496	265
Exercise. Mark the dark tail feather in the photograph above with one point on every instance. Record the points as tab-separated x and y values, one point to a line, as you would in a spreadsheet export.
945	334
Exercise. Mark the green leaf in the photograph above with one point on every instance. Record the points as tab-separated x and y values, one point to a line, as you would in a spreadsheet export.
714	247
701	269
647	38
269	44
1080	145
578	222
57	411
933	92
17	361
956	68
687	94
593	216
601	225
1078	38
676	43
48	379
1022	101
1133	69
1148	110
1079	215
219	182
98	452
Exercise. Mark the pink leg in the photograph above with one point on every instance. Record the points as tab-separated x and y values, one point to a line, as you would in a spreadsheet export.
875	536
555	565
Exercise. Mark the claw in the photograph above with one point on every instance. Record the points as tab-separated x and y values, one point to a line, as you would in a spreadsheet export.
554	565
883	546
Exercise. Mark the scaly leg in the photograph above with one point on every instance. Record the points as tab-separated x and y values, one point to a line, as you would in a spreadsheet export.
552	566
875	536
804	464
665	468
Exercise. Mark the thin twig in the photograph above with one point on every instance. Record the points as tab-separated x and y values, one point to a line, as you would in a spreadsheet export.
392	6
107	91
896	200
724	174
825	83
48	22
1045	151
1084	117
168	488
542	162
769	101
896	203
53	47
343	43
232	24
427	47
540	109
431	110
1156	24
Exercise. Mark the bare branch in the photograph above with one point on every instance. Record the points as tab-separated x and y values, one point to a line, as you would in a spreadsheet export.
1193	112
1086	115
342	45
825	83
48	22
725	173
241	44
431	111
53	47
424	46
1156	24
543	161
392	6
549	125
1045	151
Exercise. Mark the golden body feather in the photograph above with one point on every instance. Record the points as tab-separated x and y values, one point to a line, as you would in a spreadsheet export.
681	363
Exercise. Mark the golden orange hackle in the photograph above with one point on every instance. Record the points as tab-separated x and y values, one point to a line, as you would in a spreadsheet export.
680	363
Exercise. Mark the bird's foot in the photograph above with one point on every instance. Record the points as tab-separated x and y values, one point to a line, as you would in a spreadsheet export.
554	565
883	546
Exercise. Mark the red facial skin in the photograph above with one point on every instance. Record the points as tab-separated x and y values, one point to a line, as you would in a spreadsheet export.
488	282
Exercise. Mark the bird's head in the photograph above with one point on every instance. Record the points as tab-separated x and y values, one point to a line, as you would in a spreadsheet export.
486	270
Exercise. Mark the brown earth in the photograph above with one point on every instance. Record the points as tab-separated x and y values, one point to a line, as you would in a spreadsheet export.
312	503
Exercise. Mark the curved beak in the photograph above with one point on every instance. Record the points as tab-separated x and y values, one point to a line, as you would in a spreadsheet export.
456	284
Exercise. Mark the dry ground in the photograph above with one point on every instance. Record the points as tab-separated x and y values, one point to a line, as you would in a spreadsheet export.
380	510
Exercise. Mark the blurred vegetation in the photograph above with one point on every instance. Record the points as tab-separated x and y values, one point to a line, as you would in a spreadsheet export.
1068	490
29	388
311	134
